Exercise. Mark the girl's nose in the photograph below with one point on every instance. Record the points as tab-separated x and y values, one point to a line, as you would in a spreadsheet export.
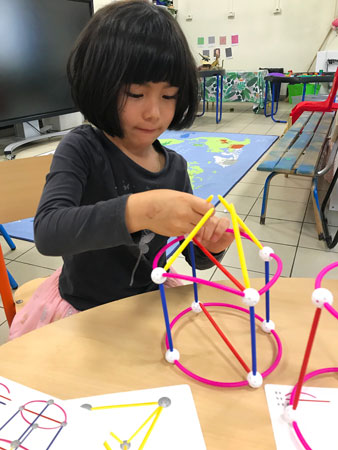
152	109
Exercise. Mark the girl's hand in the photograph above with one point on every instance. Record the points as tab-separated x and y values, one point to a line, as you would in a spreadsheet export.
166	212
213	235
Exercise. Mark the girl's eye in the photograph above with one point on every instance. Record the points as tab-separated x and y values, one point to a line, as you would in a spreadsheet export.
170	97
130	94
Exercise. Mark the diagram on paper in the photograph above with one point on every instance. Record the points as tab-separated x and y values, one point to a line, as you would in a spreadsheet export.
316	415
32	420
161	418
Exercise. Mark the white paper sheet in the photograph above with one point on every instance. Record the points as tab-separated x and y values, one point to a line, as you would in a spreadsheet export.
316	415
177	427
22	409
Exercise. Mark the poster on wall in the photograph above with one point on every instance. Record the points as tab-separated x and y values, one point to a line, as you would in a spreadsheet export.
228	53
234	39
211	41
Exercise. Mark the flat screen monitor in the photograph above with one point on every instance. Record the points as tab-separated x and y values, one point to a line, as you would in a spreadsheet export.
36	37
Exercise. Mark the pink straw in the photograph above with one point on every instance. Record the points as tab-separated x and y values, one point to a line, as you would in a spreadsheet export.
219	383
331	310
160	253
323	272
275	277
206	282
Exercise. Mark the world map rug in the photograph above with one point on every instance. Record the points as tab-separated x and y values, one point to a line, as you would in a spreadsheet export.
216	163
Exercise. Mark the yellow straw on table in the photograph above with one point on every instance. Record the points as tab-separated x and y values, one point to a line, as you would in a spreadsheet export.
115	437
189	238
239	246
123	406
151	428
144	423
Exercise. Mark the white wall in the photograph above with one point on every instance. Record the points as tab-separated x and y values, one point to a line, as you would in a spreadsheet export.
290	39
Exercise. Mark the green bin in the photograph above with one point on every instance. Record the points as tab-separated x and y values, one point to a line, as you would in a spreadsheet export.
297	90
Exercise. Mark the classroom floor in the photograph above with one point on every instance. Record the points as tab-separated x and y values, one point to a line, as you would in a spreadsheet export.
289	227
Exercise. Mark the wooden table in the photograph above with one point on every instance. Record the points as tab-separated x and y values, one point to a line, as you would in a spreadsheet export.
120	346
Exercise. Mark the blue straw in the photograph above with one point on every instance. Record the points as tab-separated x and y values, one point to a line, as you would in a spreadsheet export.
253	339
3	426
267	293
166	317
193	266
49	446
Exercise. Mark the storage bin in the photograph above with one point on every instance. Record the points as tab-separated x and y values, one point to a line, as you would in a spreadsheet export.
297	89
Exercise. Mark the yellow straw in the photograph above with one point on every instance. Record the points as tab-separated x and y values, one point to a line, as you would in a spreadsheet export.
106	446
140	428
151	427
224	202
115	437
124	406
188	239
250	233
210	198
242	224
239	246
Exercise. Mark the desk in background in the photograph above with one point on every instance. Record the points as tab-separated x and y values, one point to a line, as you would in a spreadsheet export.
120	347
217	76
240	86
274	81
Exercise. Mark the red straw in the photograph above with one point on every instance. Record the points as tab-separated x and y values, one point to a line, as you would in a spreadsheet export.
219	265
225	339
306	356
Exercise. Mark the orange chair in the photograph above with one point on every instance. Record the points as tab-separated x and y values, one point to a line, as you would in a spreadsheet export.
325	106
6	291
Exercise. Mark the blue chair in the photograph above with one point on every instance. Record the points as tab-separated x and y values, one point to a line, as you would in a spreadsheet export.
13	283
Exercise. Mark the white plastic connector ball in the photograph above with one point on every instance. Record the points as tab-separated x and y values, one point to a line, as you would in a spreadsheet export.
265	253
255	381
196	307
290	414
251	296
157	275
321	296
267	327
172	356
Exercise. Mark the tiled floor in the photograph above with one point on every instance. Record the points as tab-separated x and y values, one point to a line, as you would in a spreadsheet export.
289	227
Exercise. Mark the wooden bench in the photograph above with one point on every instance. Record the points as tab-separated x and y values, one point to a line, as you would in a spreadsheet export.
298	152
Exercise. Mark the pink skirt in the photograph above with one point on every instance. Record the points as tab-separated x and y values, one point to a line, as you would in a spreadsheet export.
46	306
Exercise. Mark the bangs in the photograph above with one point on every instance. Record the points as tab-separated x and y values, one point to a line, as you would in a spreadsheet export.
157	62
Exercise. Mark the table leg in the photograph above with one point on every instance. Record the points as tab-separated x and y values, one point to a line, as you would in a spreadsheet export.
219	99
203	110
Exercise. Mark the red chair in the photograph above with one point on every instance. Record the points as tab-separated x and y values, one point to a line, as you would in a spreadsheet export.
327	105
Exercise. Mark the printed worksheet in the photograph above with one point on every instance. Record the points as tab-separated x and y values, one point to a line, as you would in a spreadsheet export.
162	418
316	416
32	420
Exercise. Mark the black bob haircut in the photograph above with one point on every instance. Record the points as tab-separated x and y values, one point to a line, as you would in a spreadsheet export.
129	42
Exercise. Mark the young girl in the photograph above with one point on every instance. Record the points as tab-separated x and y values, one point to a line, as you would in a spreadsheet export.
114	194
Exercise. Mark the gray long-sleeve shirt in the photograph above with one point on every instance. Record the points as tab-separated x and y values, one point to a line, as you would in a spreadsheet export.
81	217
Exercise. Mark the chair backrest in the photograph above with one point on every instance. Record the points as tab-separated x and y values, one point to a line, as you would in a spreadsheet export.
332	95
326	105
6	291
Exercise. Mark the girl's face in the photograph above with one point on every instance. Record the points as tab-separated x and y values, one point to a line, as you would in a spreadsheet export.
146	112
